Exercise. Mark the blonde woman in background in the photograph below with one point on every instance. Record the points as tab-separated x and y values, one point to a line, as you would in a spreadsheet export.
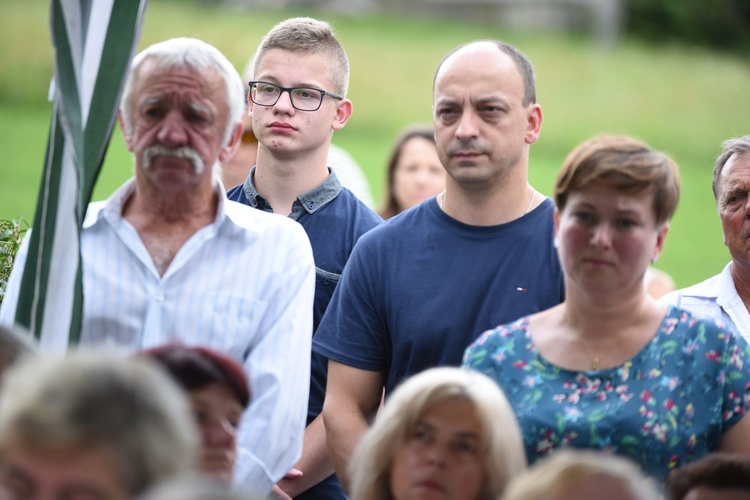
445	432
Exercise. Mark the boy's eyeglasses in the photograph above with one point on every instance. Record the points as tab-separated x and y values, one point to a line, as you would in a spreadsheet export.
303	98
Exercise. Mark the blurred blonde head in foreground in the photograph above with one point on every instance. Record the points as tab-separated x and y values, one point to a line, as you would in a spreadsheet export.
445	429
569	474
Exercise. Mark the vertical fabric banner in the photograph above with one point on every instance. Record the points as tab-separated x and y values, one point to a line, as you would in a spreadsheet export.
94	41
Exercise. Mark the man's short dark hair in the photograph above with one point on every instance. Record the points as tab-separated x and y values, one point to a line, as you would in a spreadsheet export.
718	471
525	68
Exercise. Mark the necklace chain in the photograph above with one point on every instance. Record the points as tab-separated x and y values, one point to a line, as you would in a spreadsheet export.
441	200
531	201
597	360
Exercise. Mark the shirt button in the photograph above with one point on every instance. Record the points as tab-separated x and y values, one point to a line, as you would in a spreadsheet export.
311	206
159	297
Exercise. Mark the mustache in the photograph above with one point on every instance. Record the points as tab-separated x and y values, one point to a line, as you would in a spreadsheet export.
462	146
184	152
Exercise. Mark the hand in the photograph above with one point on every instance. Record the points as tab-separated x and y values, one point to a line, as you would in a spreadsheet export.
293	473
279	493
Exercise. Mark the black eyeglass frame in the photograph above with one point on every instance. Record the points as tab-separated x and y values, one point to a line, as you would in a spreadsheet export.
323	93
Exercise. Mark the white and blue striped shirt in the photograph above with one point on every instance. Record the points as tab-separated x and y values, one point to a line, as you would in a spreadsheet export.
243	285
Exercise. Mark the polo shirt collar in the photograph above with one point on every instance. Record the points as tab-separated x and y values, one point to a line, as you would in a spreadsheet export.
309	202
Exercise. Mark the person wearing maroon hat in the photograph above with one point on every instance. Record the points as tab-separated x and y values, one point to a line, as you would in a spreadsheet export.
218	391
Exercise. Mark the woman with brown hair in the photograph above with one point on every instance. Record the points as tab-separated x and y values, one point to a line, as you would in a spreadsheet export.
610	368
414	171
218	392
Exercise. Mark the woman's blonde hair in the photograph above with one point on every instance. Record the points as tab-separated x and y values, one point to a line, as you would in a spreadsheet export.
501	452
567	468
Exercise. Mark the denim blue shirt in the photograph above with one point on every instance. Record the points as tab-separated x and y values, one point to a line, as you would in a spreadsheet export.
334	219
309	202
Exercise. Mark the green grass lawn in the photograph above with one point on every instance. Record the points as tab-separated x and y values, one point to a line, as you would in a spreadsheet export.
681	100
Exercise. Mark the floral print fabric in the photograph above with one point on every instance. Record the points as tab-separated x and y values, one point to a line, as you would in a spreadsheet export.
668	405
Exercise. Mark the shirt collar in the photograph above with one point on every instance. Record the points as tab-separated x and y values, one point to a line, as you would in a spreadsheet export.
116	202
724	290
310	202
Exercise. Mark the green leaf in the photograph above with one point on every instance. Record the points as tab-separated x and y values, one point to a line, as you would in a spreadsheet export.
11	234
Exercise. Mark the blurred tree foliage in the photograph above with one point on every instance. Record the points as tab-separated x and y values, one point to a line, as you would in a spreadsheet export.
11	234
719	24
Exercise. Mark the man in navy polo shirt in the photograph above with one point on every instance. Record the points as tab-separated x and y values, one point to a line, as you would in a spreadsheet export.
422	286
297	100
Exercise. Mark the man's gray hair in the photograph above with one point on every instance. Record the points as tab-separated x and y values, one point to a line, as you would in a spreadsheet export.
96	398
731	147
188	53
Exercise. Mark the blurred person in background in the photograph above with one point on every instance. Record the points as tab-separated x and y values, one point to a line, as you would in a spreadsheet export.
718	476
610	368
168	252
579	474
414	171
658	282
235	170
421	287
91	425
297	103
445	432
217	389
197	487
14	346
350	174
726	296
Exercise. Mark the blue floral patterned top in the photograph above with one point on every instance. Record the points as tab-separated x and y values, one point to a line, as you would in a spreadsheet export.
668	405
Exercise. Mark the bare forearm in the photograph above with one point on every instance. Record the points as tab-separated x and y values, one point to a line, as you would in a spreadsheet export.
343	435
352	397
737	439
314	463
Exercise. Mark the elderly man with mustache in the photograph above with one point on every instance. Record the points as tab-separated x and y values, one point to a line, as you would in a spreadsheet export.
725	297
167	258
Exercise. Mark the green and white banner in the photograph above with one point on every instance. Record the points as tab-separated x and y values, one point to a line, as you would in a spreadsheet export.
94	42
